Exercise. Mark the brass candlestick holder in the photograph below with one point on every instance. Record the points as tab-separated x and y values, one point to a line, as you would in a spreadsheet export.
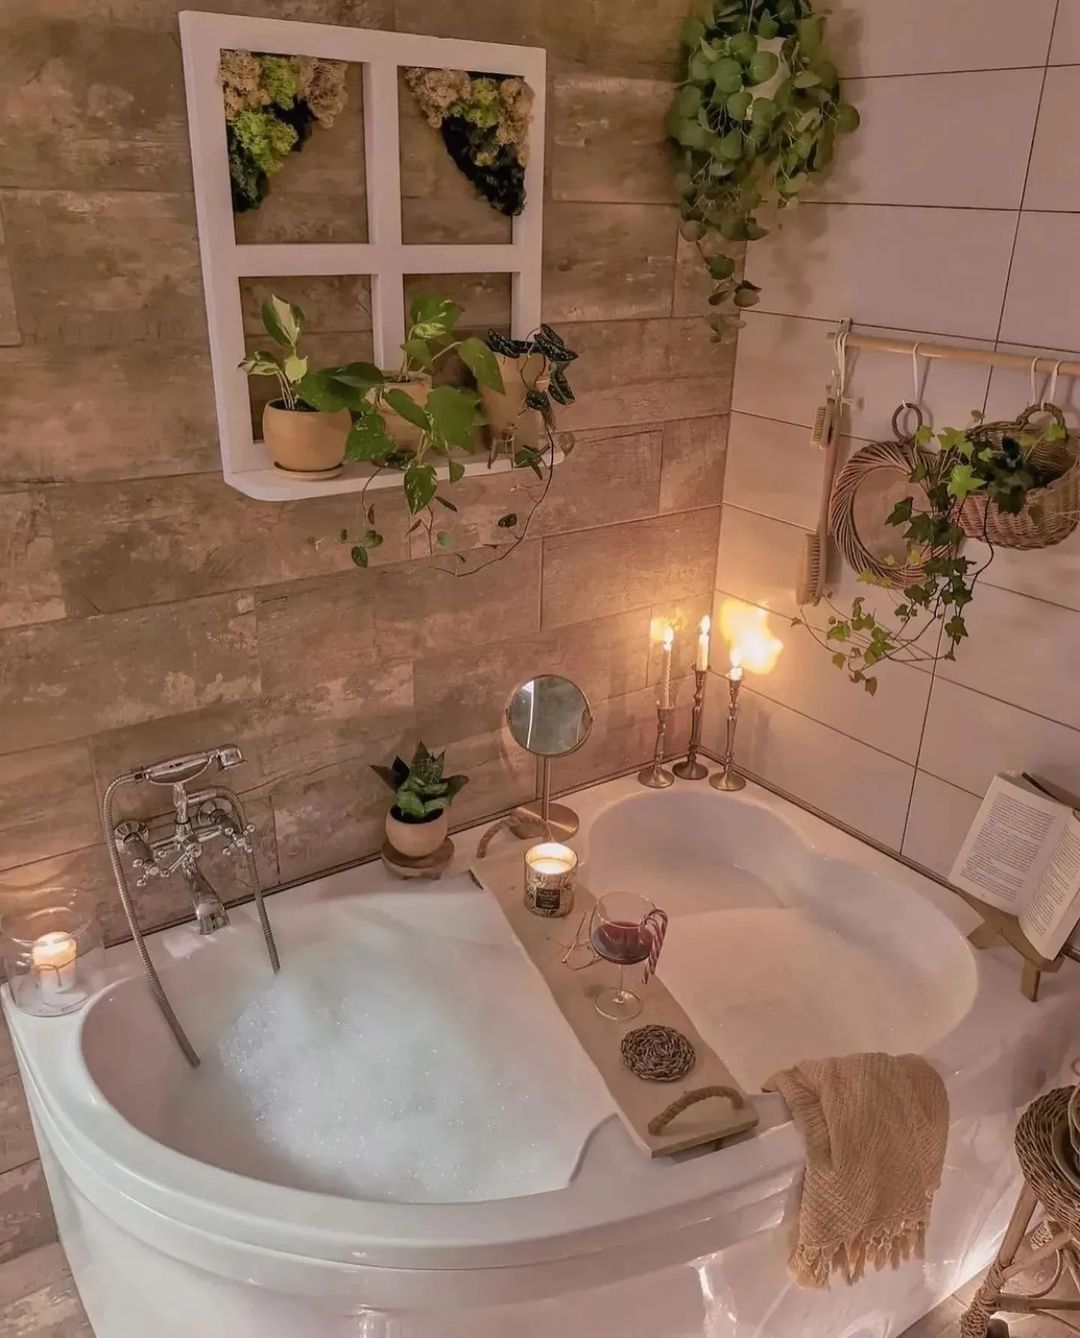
690	768
727	778
656	776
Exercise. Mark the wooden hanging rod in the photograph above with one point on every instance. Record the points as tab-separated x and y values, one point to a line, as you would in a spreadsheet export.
954	353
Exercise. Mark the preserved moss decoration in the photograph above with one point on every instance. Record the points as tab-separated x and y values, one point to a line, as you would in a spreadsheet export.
271	105
755	119
484	121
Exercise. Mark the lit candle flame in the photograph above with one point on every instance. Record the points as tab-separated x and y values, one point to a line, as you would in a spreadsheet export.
751	644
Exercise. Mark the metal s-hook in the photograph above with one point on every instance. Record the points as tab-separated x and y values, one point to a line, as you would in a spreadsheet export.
914	404
1051	394
1033	395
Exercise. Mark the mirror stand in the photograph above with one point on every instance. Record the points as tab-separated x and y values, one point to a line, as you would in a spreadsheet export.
552	822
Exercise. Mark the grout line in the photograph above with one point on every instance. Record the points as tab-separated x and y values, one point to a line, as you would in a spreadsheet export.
1027	174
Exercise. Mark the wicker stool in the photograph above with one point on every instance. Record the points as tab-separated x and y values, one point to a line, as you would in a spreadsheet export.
1057	1234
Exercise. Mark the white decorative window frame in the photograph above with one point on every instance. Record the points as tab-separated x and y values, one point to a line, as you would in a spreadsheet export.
385	258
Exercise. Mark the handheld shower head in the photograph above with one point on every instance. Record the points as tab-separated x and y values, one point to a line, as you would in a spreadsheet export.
177	770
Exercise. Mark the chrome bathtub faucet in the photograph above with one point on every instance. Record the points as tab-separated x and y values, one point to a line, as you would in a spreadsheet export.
212	814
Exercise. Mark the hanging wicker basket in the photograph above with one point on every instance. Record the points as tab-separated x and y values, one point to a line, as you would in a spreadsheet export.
1050	514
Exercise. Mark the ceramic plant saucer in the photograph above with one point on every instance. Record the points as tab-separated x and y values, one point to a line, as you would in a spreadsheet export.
313	474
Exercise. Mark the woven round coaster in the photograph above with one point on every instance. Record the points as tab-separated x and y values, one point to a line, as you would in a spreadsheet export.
658	1054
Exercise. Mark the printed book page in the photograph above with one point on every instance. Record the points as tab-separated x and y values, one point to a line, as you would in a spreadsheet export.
1010	843
1053	907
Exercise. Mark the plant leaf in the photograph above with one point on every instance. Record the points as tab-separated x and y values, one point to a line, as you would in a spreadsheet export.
406	407
454	416
480	360
444	539
508	522
359	555
368	438
456	472
420	484
284	323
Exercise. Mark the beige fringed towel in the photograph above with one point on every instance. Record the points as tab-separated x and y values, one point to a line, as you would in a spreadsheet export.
875	1127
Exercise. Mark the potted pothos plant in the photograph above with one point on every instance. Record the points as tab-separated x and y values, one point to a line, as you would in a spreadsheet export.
418	819
1008	484
445	421
306	425
533	372
754	120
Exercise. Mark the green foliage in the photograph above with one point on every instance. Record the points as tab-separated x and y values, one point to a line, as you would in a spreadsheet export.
741	149
981	462
331	390
421	791
265	140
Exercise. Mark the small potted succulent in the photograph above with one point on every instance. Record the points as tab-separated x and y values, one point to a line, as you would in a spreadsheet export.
305	428
417	822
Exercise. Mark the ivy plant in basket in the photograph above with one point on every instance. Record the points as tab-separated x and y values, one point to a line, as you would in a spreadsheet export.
755	118
1007	484
417	822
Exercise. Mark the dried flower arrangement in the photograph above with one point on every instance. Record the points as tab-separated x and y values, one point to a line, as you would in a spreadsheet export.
271	105
484	120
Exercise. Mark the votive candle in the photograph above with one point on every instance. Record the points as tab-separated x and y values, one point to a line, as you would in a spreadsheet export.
550	875
53	959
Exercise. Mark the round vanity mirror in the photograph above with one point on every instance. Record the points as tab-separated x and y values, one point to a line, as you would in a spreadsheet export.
549	716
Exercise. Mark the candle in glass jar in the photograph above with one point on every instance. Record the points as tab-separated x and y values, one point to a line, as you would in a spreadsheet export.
665	669
549	878
53	957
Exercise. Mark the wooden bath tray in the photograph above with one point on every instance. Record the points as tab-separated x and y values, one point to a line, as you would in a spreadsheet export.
638	1101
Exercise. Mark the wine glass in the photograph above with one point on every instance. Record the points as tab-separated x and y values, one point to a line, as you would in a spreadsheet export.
625	929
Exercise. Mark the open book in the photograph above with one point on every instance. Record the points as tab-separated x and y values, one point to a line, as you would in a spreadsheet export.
1022	855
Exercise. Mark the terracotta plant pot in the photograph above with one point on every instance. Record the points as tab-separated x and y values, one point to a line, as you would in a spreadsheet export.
305	441
507	417
406	434
414	840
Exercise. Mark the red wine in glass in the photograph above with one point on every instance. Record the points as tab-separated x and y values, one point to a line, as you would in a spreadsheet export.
620	942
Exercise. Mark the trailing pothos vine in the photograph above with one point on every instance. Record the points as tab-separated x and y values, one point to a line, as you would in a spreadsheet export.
754	120
984	462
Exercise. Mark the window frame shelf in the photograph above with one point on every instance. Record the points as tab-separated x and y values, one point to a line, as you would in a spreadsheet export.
385	258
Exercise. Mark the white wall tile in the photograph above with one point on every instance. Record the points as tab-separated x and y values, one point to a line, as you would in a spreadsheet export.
1053	181
929	141
784	362
1052	574
806	679
1043	303
1021	650
937	269
969	738
1011	391
916	36
847	780
758	560
1065	49
773	469
937	823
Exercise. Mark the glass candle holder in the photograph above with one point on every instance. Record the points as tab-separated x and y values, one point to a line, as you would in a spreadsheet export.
53	956
550	875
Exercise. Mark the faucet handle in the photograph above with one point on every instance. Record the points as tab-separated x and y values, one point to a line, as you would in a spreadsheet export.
241	841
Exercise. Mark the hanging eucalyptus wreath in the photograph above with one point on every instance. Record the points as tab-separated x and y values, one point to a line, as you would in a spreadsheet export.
755	118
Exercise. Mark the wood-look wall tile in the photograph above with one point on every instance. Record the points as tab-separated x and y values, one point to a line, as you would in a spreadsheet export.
500	774
694	454
84	872
608	139
156	14
638	41
645	371
608	262
331	816
128	544
69	415
64	680
331	303
17	1145
38	1298
92	105
8	1062
465	693
99	268
564	30
484	300
9	316
29	582
419	611
609	477
47	803
623	736
26	1216
644	562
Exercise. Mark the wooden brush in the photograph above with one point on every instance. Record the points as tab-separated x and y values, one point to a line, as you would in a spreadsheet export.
810	580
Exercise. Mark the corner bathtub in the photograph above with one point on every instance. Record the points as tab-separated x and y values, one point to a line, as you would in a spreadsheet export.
398	1137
